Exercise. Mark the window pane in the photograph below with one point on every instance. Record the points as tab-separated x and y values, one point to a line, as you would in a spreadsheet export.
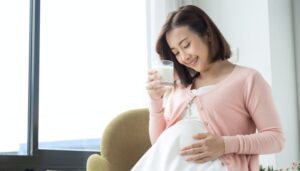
93	66
14	43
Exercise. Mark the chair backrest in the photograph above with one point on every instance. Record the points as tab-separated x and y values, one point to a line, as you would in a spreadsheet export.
126	139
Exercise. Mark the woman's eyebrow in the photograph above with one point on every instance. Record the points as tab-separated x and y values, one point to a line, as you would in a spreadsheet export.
180	42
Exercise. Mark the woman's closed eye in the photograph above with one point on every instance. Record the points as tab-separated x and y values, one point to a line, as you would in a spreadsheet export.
186	45
176	53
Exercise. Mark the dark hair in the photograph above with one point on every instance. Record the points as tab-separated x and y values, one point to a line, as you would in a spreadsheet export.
198	22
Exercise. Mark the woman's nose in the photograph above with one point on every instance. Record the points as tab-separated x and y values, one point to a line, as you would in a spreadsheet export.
185	56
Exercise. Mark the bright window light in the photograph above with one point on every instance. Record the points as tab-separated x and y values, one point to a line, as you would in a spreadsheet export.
93	66
14	45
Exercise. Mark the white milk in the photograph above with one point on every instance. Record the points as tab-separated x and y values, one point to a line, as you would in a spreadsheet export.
166	74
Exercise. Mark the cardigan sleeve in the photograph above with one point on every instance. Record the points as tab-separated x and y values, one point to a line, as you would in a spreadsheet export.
259	103
157	121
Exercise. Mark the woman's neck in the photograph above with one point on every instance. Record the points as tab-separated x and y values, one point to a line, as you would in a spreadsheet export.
216	72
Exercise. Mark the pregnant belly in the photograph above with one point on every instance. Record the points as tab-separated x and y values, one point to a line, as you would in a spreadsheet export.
164	155
181	134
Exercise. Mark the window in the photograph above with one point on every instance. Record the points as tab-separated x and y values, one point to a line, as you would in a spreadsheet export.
14	33
85	66
93	54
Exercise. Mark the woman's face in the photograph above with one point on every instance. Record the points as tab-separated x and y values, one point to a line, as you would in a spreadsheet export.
189	48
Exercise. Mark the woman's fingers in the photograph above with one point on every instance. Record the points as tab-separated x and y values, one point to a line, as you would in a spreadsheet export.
201	135
192	151
151	71
203	160
198	157
153	82
152	75
154	85
195	145
209	147
155	88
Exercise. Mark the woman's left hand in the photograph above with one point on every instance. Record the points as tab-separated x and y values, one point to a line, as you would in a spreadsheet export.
209	147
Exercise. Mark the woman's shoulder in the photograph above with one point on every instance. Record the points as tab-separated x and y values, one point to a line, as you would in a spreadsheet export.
241	76
244	70
250	75
247	74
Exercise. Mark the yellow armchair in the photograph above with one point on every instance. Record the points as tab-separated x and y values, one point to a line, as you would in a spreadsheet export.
124	141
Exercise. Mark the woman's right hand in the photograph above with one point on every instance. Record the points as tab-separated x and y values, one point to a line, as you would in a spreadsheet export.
156	90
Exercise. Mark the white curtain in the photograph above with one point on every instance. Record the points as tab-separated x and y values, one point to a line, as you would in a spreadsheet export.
189	2
157	11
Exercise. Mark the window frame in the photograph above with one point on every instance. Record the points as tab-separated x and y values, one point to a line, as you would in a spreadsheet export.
39	159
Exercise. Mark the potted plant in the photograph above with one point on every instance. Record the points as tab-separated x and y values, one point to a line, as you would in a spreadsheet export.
295	166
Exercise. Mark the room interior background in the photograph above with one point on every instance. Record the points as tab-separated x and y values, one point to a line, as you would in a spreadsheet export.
85	46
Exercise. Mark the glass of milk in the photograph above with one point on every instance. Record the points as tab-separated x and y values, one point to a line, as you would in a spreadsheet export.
165	69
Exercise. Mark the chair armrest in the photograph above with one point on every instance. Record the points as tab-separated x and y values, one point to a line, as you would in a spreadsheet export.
96	162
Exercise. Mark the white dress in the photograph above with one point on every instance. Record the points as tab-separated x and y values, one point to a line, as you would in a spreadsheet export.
164	155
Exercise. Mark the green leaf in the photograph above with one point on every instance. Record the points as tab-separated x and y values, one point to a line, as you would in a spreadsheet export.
261	168
270	168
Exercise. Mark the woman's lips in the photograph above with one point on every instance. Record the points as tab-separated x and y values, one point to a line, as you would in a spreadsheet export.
193	62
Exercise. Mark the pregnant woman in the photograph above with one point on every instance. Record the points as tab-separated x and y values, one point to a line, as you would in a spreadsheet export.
217	116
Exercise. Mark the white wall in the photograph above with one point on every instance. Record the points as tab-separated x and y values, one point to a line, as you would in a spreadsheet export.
284	76
262	30
245	26
296	12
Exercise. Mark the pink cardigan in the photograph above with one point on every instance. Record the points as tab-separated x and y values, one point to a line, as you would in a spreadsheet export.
240	109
